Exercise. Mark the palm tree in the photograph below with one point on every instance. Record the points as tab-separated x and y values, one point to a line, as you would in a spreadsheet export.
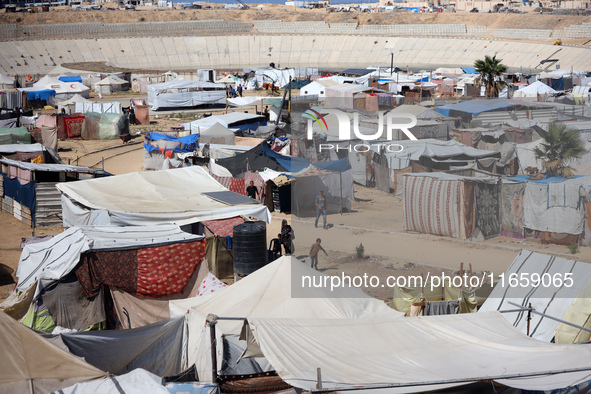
490	68
560	147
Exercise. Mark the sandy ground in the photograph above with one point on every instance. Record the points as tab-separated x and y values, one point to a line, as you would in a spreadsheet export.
289	14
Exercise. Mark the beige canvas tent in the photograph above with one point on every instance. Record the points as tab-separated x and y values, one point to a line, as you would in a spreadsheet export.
31	364
69	106
6	82
110	84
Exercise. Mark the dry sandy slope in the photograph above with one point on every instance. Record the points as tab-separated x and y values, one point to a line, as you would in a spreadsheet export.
288	14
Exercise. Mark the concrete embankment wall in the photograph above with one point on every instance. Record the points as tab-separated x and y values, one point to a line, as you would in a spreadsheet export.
322	51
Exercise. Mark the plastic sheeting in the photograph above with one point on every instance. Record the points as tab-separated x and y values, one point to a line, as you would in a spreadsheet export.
157	348
171	196
13	135
460	348
555	207
551	300
103	126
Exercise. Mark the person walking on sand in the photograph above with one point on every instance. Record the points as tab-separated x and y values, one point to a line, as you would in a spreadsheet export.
320	209
314	253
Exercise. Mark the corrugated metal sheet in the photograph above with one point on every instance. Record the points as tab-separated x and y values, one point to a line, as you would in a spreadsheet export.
49	205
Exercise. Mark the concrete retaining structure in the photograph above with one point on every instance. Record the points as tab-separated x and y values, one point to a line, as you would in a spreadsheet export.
321	51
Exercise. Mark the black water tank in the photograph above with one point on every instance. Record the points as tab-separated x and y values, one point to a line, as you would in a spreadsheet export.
250	247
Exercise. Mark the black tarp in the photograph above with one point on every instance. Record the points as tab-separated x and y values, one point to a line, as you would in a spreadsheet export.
252	160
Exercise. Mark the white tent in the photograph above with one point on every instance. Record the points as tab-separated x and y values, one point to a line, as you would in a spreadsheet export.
63	90
549	298
227	80
30	363
70	105
110	84
318	87
534	90
216	134
274	291
6	82
185	93
149	198
415	354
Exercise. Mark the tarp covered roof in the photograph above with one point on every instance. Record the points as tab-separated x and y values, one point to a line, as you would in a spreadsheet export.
30	363
150	198
261	157
225	120
436	149
49	167
414	354
476	106
14	148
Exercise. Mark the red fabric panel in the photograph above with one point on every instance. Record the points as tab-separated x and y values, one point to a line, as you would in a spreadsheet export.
223	227
117	268
165	270
73	126
235	185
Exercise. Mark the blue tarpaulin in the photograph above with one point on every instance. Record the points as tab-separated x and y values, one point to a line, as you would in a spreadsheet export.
555	179
23	194
70	79
469	70
39	94
185	144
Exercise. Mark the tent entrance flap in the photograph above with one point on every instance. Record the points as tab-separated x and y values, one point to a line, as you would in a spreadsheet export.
230	198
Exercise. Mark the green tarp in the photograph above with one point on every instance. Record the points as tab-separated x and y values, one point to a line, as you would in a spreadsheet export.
14	135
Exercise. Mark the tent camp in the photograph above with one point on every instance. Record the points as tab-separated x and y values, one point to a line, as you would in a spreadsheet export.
278	293
176	196
63	90
30	363
185	93
6	82
110	84
569	302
